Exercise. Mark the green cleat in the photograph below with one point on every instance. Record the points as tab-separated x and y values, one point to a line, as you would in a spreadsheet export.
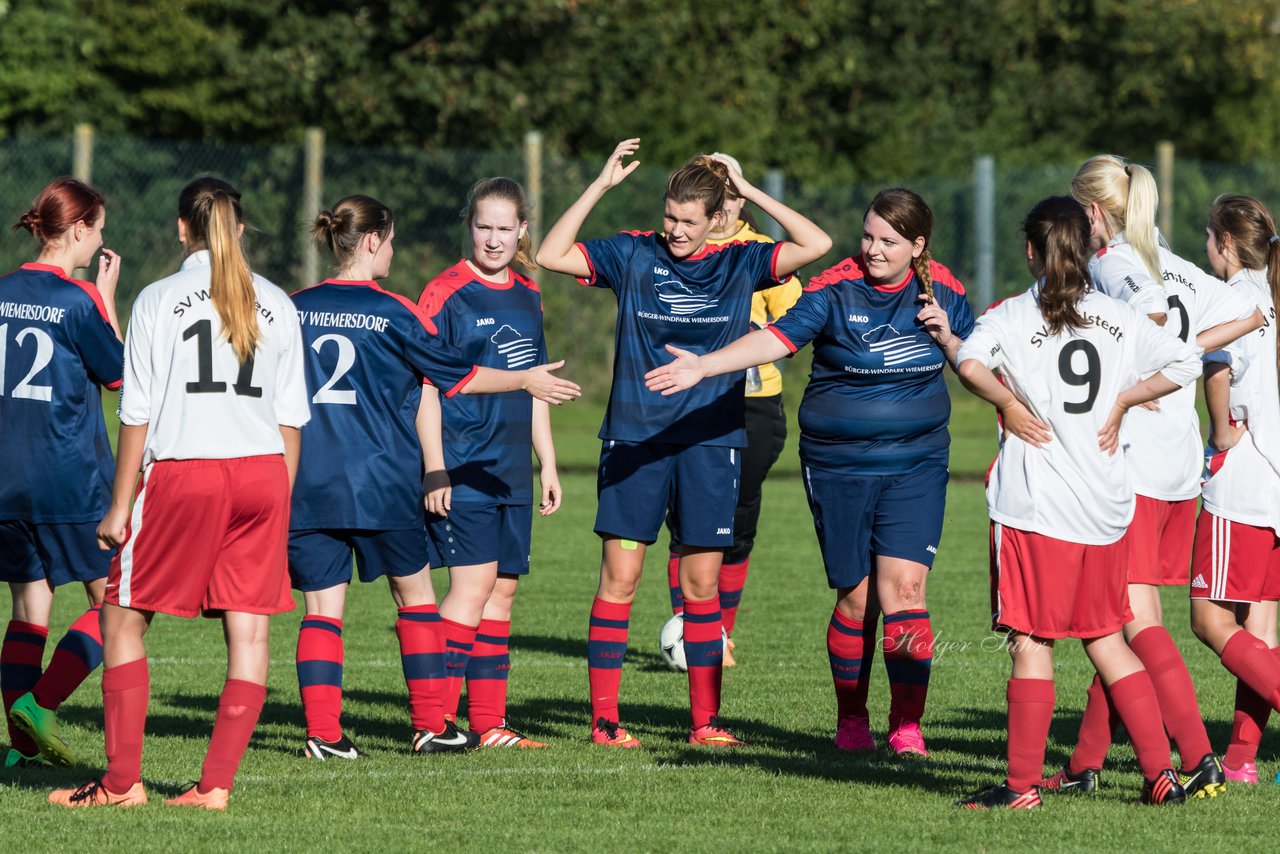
18	759
42	725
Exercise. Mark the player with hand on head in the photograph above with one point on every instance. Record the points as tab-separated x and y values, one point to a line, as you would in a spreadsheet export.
1236	565
59	342
766	424
676	453
1071	362
874	446
359	486
210	412
480	495
1164	451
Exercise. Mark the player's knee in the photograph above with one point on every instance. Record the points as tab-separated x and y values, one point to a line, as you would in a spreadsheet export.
909	593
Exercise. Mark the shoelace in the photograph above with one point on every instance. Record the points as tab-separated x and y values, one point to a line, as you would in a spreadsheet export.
610	728
87	792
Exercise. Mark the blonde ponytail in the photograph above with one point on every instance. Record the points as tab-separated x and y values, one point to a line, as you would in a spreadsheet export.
1127	196
1140	218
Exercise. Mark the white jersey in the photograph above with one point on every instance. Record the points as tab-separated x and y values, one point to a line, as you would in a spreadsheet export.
1070	489
1243	484
1164	447
182	377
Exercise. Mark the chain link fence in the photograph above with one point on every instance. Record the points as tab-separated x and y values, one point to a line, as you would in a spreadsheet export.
427	190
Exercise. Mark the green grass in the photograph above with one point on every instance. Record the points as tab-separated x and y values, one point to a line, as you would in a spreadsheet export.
789	790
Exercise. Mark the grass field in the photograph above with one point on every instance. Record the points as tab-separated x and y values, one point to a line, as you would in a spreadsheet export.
790	789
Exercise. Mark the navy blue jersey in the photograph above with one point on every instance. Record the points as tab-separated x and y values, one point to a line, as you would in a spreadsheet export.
487	437
699	303
56	348
367	352
876	400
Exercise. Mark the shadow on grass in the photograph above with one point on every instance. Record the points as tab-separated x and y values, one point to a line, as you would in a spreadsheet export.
576	648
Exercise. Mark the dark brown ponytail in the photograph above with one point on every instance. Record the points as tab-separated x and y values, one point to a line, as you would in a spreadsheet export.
1058	230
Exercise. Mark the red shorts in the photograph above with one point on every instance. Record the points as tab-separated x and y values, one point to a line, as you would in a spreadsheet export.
1056	589
1234	562
207	536
1159	541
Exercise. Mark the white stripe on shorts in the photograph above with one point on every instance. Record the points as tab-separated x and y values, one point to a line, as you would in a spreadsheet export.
995	582
126	553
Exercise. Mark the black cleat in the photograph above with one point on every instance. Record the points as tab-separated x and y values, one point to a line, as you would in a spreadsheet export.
1001	797
449	740
1084	783
1164	790
322	750
1206	779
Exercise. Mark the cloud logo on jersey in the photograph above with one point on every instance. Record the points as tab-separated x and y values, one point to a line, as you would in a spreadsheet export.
893	346
518	350
681	299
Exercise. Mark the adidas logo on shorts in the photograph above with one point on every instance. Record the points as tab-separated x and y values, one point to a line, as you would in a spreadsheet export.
1199	584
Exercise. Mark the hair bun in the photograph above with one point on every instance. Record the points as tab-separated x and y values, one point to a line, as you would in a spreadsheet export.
30	221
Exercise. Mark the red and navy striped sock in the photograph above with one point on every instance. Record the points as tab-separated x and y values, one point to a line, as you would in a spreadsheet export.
458	643
704	653
239	708
908	659
673	583
733	577
487	675
319	663
1175	692
845	650
1251	660
1249	721
126	691
76	656
1030	716
21	655
422	659
1098	725
1135	700
606	648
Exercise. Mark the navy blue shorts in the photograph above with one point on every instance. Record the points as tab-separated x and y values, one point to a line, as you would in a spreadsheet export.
639	481
474	534
858	517
320	559
57	552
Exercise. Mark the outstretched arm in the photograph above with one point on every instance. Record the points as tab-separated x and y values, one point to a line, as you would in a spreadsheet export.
538	381
559	251
806	241
689	369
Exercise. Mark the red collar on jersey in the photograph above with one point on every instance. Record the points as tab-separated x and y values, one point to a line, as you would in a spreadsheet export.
367	283
47	268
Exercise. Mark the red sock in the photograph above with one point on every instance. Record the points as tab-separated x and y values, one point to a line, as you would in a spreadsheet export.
487	675
422	659
319	662
1251	660
733	577
458	643
606	647
238	711
1175	691
1248	724
1097	728
908	658
673	583
704	652
76	656
20	658
126	691
1030	715
845	649
1135	700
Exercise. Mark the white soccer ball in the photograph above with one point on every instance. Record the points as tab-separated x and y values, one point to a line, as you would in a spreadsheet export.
671	643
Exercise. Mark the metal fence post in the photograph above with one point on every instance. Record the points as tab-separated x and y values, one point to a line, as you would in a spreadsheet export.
533	189
1164	184
312	187
776	186
984	230
82	153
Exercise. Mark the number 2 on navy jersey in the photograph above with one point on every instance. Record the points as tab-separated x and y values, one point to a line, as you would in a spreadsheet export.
346	359
43	356
1090	378
202	331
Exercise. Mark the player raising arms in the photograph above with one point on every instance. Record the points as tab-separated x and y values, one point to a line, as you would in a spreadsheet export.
359	482
59	341
678	453
1059	497
1236	565
874	445
1164	453
210	411
482	505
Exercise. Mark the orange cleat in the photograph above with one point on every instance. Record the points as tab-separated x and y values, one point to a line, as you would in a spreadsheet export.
505	736
94	794
714	735
611	734
214	799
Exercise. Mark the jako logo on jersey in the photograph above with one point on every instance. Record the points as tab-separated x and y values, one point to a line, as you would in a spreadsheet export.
518	350
484	321
893	346
726	532
933	550
858	318
679	298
